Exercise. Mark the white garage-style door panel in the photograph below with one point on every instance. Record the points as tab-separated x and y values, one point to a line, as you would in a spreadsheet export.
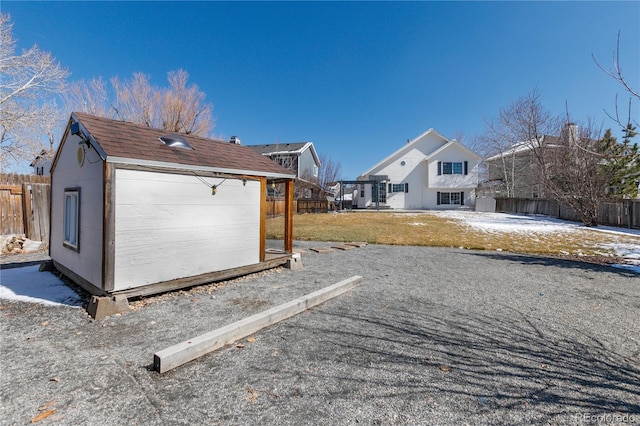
171	226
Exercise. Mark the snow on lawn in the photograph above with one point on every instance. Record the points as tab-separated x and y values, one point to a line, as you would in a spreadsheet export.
510	223
28	284
502	222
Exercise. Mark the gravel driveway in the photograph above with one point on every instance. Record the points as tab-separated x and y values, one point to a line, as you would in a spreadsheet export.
432	336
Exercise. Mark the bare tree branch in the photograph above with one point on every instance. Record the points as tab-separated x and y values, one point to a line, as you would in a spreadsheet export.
28	85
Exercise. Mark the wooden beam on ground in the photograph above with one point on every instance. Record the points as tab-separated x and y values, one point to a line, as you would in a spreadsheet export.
344	247
191	349
321	249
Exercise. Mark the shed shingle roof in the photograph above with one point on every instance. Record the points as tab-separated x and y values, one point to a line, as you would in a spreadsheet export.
121	140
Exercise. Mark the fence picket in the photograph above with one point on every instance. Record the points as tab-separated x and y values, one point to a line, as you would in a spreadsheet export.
24	205
620	213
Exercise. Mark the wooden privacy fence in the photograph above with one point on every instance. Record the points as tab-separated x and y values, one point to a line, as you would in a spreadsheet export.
275	206
24	205
621	213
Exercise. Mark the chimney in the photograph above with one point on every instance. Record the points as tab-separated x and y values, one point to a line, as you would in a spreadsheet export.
234	140
570	133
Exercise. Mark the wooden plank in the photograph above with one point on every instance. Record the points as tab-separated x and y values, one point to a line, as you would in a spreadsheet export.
78	279
207	278
356	244
108	226
14	189
321	249
177	355
343	247
4	211
27	214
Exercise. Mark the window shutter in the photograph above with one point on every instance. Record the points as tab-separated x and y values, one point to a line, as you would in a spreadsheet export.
406	187
439	169
462	196
390	189
466	167
438	195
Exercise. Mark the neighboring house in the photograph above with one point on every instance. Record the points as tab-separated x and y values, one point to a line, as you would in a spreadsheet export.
136	210
301	158
513	173
429	172
42	163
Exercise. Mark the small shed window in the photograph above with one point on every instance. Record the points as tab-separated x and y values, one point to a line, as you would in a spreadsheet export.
72	218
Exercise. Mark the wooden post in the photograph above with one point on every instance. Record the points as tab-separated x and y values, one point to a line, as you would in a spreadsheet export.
27	216
263	218
288	217
108	227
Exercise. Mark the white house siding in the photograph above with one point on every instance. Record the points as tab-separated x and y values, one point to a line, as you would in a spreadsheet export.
417	166
170	226
451	183
87	262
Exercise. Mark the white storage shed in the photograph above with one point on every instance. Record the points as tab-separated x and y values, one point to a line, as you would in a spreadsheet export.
137	210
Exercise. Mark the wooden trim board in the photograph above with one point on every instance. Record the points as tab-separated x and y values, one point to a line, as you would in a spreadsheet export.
176	355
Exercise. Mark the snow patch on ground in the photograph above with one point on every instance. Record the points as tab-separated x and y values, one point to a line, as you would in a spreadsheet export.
509	223
512	223
28	284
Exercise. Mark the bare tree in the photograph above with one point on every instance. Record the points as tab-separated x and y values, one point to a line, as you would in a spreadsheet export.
567	163
509	141
29	83
630	124
89	97
329	172
178	108
183	107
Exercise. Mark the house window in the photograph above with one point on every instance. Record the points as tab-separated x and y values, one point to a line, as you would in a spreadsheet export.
315	171
40	170
452	168
450	198
284	161
72	218
399	187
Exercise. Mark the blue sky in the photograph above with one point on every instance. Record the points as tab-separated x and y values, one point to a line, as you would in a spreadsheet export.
356	78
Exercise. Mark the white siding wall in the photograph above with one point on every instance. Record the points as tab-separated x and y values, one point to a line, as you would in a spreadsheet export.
170	226
451	183
87	262
422	176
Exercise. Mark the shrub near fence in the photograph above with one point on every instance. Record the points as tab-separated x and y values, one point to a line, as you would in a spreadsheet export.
24	205
620	213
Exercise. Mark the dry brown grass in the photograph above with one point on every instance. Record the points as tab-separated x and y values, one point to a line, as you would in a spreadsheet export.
425	229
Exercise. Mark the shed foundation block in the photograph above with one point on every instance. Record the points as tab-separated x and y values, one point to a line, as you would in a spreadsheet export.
101	307
295	262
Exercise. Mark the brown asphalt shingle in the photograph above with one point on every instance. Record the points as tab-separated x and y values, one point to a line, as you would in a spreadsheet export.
139	142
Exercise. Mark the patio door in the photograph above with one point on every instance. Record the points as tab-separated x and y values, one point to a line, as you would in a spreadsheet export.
379	192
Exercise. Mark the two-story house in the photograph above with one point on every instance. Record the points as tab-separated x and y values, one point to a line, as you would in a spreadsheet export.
429	172
514	172
299	157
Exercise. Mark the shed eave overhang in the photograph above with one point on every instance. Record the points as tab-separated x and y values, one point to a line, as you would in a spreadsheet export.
192	167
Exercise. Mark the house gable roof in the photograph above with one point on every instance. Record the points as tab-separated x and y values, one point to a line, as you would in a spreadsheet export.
287	148
454	143
408	146
123	142
526	147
